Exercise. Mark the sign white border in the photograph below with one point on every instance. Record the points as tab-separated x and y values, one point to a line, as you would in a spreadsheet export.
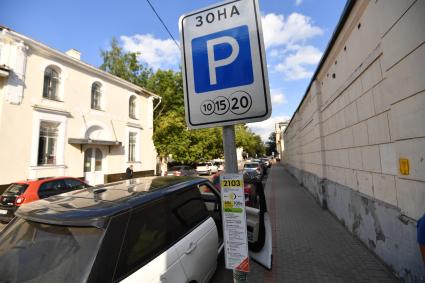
264	76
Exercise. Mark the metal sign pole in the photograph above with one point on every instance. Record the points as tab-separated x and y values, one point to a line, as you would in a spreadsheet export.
231	166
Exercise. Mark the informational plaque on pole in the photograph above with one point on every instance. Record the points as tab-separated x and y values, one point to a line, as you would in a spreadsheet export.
234	222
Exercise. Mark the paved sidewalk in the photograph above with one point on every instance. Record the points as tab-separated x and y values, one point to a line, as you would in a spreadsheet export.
310	245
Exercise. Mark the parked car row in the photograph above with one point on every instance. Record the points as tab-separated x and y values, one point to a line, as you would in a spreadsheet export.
206	168
202	168
152	229
182	171
257	167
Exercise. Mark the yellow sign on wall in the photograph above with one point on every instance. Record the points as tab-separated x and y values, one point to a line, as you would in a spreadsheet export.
404	166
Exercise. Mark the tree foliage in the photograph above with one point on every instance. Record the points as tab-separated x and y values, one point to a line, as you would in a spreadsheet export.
124	64
271	144
171	135
251	143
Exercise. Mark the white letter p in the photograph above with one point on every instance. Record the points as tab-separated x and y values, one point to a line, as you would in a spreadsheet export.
212	63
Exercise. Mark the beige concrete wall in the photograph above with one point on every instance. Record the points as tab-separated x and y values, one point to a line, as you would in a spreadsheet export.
19	128
369	110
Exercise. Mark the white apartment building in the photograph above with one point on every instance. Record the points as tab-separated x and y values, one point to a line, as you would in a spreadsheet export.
279	129
62	117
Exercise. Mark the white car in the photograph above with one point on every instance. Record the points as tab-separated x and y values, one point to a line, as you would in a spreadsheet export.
206	168
162	229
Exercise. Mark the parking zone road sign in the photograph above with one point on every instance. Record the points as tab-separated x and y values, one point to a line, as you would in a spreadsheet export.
224	66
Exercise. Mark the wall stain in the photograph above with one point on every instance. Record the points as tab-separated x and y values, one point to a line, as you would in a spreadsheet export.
356	223
372	244
365	202
370	208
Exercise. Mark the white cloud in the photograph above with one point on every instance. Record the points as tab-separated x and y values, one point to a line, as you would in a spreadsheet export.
157	53
296	65
298	2
295	28
266	127
277	97
286	39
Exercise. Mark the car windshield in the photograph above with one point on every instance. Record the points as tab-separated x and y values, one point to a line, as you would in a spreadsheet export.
203	164
176	168
36	252
251	165
16	189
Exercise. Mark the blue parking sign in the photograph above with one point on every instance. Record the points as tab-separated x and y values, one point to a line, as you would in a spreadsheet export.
222	60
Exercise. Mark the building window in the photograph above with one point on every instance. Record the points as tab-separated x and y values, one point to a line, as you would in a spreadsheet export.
95	96
51	84
98	160
132	147
47	143
132	107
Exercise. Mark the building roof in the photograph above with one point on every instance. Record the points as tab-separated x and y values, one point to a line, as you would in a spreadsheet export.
42	48
95	205
345	13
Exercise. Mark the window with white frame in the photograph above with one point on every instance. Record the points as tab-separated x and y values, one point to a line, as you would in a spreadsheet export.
96	96
51	84
132	107
47	142
132	139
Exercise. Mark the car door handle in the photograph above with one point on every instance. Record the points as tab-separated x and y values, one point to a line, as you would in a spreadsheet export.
191	248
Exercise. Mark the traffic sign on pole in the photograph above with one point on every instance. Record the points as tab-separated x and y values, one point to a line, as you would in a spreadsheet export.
224	65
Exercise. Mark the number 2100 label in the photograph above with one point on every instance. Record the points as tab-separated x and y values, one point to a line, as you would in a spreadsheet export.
238	103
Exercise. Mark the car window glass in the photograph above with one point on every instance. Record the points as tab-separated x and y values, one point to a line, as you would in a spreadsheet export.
16	188
251	165
35	252
146	237
46	187
51	188
188	208
211	200
213	204
73	184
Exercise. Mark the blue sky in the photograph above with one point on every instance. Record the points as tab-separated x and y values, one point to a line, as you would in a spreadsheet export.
296	33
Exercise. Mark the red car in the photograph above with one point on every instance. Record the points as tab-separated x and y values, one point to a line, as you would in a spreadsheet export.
27	191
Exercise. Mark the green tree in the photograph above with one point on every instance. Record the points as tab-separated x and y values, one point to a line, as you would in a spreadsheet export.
169	85
171	136
251	143
124	64
271	144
